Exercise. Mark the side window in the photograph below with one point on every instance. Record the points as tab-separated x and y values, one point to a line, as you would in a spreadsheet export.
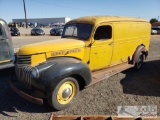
71	31
103	32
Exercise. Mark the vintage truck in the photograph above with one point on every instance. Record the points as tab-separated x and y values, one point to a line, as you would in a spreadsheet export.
91	49
6	47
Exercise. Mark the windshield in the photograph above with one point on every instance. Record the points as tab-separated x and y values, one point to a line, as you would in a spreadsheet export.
33	30
59	30
77	30
13	29
39	30
155	28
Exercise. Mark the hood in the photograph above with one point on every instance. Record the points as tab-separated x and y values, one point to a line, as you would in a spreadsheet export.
49	46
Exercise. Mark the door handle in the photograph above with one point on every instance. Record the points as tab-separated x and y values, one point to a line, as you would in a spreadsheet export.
111	43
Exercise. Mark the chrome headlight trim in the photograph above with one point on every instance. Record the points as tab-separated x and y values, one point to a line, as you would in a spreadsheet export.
35	72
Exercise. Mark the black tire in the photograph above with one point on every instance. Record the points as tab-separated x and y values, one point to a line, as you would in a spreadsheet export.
139	62
55	99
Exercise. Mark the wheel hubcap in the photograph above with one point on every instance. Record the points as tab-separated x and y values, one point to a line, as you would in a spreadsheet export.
66	92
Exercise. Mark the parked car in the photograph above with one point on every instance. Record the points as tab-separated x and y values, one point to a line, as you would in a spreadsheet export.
153	32
31	25
57	32
52	31
14	31
157	30
37	31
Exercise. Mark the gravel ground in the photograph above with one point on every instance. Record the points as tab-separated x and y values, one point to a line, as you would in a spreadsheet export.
126	88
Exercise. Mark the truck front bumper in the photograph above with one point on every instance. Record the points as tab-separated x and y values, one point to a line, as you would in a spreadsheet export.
25	95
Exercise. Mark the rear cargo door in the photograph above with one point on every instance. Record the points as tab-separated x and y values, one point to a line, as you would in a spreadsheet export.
101	49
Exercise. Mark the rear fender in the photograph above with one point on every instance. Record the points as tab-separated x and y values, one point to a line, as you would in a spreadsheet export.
140	49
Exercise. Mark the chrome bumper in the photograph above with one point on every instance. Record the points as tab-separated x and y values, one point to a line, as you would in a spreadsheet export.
25	95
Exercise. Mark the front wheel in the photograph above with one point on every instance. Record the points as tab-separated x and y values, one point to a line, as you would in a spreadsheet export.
64	93
139	62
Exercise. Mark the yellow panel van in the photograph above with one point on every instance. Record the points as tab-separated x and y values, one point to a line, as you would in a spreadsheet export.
91	49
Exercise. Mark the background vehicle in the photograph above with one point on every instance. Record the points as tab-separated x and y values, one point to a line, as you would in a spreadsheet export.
86	54
57	32
37	31
31	25
52	31
156	30
153	32
6	48
14	31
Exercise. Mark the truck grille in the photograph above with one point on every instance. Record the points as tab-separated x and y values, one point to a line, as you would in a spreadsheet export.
23	60
24	75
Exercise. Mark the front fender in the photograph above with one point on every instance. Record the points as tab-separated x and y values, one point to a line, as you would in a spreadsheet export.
63	67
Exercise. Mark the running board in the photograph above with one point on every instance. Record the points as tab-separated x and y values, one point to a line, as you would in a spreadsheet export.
108	72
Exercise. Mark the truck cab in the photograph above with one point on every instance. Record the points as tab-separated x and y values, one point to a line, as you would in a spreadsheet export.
6	48
91	49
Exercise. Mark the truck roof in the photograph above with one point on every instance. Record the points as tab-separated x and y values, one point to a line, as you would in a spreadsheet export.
2	21
101	19
6	29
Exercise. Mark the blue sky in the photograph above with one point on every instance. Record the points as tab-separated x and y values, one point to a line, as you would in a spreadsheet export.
13	9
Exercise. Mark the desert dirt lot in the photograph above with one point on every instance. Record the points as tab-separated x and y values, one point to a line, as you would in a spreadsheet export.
128	88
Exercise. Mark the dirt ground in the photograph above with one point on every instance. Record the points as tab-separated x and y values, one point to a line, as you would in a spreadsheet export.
128	88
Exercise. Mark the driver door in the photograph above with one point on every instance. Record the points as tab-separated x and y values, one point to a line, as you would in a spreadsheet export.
101	49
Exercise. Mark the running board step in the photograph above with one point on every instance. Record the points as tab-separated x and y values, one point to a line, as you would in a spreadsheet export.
108	72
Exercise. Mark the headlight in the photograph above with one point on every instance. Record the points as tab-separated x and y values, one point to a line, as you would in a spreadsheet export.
35	72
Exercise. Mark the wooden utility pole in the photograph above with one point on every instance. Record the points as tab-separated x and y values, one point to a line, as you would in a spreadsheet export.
25	12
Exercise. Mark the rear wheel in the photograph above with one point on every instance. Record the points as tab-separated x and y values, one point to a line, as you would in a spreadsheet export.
139	62
64	93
